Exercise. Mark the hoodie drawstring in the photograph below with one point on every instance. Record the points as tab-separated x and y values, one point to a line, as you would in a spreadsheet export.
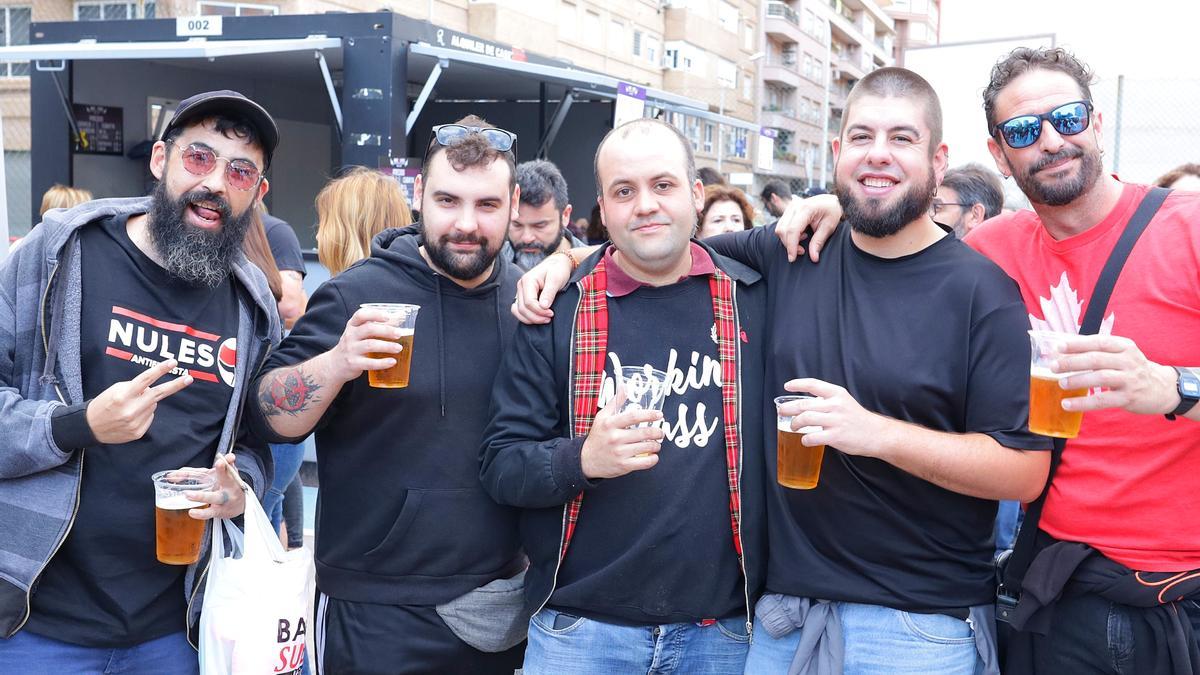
437	282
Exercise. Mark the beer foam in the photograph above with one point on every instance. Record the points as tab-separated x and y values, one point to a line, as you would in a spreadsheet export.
1044	373
785	424
407	332
176	503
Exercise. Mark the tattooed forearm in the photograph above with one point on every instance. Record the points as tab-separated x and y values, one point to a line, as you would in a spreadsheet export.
288	390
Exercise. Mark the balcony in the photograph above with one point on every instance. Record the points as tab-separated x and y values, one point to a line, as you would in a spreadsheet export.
782	23
775	72
779	118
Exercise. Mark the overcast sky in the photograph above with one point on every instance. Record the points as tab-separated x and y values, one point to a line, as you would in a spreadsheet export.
1144	39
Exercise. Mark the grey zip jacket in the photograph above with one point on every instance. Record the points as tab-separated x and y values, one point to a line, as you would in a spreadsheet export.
40	296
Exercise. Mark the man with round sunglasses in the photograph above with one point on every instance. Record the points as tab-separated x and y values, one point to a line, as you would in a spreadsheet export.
129	328
418	570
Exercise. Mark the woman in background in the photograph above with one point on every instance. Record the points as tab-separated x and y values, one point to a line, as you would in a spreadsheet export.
726	209
351	210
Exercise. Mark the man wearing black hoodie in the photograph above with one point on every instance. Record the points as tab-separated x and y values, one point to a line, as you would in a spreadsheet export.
405	532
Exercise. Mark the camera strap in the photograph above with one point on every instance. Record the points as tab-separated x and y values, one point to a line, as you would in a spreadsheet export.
1024	550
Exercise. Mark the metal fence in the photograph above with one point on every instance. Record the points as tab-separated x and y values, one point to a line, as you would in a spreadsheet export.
1150	125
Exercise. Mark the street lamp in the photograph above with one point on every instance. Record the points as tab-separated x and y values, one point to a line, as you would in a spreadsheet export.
721	127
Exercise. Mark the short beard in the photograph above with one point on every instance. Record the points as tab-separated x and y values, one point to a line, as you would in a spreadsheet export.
463	267
867	216
528	259
198	257
1061	193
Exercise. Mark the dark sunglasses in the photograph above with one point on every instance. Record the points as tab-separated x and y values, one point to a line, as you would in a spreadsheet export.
240	174
449	134
1067	119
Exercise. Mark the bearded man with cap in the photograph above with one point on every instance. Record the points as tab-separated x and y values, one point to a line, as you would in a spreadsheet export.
128	330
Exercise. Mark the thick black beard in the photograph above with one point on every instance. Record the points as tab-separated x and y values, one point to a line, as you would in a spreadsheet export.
195	256
868	217
1060	194
527	259
463	267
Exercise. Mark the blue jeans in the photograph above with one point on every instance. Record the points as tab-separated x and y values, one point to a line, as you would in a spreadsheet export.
587	647
31	654
1008	520
288	458
880	640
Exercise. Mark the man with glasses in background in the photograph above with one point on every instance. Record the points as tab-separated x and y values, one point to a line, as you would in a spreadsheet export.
102	302
406	536
968	195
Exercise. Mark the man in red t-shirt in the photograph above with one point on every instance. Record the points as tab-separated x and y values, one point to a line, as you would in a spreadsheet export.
1125	486
1119	536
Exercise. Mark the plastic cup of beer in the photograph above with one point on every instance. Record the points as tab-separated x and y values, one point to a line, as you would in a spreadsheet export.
1046	414
178	535
798	466
403	317
645	389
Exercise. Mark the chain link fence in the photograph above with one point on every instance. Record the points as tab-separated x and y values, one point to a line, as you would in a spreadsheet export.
1150	125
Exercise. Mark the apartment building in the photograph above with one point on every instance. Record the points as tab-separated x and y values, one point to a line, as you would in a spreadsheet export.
816	50
917	24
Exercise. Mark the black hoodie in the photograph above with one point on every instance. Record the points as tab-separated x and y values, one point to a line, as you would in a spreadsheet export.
402	518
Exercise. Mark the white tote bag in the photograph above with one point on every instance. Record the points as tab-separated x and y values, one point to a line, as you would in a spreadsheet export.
257	614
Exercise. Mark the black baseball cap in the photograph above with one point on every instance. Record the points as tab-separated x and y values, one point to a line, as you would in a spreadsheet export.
227	101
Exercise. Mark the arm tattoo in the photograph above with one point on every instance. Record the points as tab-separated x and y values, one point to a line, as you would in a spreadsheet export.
289	390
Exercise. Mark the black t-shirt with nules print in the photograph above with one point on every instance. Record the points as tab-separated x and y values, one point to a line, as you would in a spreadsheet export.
105	587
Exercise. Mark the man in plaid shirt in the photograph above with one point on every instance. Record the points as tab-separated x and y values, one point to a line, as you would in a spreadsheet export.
643	529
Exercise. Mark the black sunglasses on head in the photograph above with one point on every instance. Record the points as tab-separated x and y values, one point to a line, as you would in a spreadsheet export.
446	135
1067	119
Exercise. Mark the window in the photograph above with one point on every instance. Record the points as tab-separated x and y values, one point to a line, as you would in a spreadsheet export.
748	85
684	56
109	11
726	73
567	20
810	22
591	27
737	143
808	66
616	37
748	36
693	131
637	43
236	8
708	136
652	50
16	32
789	55
728	17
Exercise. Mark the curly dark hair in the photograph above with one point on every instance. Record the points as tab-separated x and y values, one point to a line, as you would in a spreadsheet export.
1022	60
470	151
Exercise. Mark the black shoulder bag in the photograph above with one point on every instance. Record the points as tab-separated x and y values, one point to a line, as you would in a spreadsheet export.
1012	564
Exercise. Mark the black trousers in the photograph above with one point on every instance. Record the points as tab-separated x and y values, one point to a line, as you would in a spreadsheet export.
1093	635
358	638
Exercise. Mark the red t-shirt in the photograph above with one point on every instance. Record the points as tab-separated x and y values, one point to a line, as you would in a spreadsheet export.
1128	485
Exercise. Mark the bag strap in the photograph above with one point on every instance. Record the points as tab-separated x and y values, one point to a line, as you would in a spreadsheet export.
1024	549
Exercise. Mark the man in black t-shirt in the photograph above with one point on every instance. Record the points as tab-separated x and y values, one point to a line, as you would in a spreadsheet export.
916	349
289	258
101	302
661	559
